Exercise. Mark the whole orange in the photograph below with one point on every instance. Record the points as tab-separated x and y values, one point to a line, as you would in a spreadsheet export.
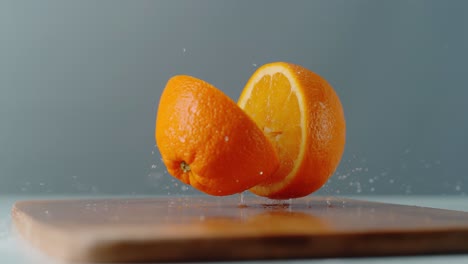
207	141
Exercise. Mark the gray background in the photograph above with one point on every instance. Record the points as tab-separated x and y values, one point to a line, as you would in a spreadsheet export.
80	83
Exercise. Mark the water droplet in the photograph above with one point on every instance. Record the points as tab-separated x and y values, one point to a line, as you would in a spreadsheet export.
184	50
408	190
41	184
372	189
328	203
254	64
202	218
226	138
184	188
358	187
261	173
237	180
241	199
391	181
371	180
457	188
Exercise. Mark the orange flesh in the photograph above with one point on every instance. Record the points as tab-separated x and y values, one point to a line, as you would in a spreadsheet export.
282	125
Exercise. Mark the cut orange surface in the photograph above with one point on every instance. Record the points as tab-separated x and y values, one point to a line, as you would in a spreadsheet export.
207	141
302	116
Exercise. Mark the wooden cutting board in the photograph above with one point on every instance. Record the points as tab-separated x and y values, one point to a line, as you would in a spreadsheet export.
210	228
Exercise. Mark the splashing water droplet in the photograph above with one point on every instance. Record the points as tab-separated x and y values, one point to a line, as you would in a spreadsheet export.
408	189
241	199
358	187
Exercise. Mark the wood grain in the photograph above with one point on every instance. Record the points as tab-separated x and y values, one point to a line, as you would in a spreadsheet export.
211	228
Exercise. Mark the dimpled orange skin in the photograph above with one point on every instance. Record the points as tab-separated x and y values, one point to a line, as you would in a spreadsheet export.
325	136
199	126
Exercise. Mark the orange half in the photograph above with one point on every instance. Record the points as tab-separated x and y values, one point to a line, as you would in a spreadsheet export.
302	116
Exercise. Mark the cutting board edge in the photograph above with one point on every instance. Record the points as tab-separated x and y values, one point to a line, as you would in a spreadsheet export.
31	234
